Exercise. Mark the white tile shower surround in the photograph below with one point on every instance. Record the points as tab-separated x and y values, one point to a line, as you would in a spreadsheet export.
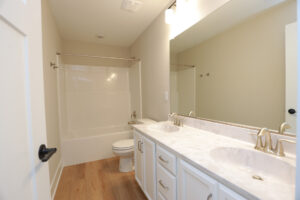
195	147
96	97
96	105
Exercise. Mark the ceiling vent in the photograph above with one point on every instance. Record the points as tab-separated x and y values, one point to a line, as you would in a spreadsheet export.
131	5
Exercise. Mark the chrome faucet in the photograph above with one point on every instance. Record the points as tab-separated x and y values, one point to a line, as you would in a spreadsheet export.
283	127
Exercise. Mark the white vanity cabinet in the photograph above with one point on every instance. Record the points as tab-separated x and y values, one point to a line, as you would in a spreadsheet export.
195	185
163	176
145	172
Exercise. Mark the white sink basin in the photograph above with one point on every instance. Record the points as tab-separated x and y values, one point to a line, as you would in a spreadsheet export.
255	163
164	127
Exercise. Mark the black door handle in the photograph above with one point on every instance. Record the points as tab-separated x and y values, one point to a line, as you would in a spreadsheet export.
292	111
46	153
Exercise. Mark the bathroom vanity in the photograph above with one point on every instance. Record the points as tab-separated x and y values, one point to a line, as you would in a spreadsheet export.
189	163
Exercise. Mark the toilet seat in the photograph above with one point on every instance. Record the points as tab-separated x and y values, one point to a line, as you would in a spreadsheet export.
123	145
124	149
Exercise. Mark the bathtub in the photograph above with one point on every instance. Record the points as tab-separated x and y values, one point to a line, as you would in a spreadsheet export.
96	145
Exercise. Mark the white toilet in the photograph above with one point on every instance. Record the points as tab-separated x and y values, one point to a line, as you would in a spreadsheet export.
124	149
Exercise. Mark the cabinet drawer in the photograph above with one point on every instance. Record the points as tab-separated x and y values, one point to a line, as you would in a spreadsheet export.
166	183
166	159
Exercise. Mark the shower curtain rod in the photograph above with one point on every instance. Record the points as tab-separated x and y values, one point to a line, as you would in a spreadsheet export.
103	57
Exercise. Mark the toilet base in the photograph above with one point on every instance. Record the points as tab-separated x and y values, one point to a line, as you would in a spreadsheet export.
126	164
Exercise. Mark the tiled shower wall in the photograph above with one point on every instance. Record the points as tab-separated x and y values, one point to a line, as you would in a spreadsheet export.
97	99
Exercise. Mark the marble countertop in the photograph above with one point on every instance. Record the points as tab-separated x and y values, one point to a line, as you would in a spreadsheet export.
196	146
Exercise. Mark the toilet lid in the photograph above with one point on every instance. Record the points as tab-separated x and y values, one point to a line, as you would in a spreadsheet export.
123	144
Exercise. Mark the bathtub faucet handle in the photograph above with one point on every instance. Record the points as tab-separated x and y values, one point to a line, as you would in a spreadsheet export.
133	115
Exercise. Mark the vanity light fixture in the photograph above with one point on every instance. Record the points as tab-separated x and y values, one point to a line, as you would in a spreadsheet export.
170	13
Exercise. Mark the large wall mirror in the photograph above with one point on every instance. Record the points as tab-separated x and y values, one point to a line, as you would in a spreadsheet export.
238	65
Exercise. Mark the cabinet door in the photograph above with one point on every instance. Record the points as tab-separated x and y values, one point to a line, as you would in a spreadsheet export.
138	158
148	148
160	197
227	194
195	185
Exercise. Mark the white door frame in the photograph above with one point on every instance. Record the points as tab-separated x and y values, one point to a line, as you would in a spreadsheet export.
298	108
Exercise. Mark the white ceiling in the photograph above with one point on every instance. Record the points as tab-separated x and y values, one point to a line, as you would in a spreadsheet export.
82	20
229	15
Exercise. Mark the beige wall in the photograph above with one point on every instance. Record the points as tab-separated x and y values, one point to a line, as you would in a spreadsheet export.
51	44
76	47
186	90
247	70
152	47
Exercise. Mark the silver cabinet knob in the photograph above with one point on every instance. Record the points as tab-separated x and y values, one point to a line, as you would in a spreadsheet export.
141	147
209	197
162	185
162	159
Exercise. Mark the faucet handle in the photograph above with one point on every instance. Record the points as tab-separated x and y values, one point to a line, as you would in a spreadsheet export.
171	116
279	146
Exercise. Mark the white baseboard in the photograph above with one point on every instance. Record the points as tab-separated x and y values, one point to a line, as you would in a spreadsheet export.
56	178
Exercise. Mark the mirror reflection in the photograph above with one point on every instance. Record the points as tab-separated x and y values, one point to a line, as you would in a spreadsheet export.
238	65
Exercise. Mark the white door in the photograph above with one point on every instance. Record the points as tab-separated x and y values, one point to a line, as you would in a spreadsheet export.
192	184
291	75
22	115
138	159
149	168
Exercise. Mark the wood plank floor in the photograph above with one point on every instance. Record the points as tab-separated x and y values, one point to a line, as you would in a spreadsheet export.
99	180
